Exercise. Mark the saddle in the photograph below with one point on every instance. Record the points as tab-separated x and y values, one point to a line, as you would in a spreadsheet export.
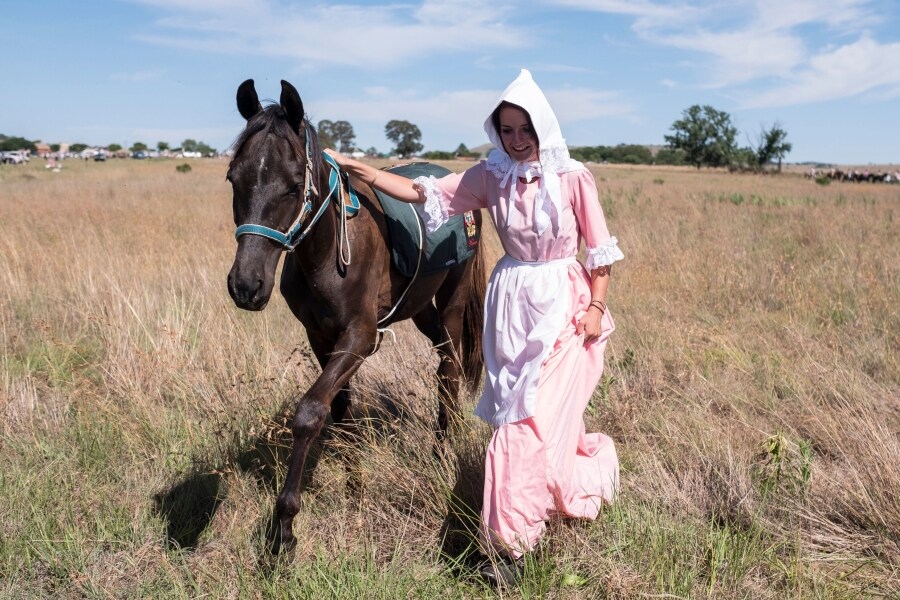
414	250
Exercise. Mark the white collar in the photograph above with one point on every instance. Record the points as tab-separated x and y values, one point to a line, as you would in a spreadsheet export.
547	200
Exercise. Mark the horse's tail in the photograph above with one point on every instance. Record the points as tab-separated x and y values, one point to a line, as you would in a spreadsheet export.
473	321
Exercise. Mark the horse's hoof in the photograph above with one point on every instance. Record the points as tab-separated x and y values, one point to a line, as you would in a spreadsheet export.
280	544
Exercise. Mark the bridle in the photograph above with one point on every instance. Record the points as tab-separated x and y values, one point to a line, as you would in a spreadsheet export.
298	231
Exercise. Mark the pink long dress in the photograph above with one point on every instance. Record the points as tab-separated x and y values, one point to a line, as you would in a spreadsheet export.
540	372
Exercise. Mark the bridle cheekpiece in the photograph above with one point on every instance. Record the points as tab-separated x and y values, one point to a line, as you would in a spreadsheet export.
297	232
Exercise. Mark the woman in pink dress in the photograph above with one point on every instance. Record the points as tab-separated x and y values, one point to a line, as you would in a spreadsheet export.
546	321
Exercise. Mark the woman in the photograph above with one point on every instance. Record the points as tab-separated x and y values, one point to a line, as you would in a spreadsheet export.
546	321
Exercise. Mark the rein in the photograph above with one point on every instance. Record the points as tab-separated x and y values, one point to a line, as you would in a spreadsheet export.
297	232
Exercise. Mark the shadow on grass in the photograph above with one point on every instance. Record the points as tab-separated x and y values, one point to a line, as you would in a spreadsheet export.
190	504
188	507
459	530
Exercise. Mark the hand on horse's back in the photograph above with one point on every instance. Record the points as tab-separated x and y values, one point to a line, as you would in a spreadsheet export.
339	158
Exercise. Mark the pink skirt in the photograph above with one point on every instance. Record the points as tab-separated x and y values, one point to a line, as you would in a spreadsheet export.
546	464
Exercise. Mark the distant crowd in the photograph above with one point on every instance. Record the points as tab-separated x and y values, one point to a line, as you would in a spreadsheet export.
855	175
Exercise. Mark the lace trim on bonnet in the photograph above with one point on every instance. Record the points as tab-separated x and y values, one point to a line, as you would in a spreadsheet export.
554	158
433	211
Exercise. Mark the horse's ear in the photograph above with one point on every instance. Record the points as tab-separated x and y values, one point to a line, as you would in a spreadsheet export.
292	105
247	100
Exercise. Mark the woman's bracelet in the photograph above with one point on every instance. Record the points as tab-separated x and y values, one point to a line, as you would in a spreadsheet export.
599	304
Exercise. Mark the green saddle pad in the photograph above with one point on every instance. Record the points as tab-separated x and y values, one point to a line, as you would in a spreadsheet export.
454	242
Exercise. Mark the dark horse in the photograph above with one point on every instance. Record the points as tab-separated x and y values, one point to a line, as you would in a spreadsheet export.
277	165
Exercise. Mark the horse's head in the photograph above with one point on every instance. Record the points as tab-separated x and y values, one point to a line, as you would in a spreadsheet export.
268	176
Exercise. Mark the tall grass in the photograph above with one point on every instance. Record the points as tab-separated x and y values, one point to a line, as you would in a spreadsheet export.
751	388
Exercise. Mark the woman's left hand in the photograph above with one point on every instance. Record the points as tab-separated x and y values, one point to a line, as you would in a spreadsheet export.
589	325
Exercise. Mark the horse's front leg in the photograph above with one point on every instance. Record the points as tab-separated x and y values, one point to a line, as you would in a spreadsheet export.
352	348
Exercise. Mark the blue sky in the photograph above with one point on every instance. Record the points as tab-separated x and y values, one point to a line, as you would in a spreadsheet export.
616	71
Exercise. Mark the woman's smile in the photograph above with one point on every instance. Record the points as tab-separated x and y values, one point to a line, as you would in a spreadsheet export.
517	134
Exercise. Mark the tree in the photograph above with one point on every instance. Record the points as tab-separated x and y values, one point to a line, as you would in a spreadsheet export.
205	149
76	148
343	134
190	145
667	156
372	151
114	147
16	143
743	159
706	136
336	134
632	154
772	145
325	133
162	146
138	147
438	155
405	136
462	151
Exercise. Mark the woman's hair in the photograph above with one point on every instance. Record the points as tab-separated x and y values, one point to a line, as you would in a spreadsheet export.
495	118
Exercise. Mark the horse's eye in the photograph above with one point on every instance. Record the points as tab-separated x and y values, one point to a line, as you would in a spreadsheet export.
295	189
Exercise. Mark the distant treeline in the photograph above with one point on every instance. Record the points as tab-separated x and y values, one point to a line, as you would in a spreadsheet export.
16	143
631	154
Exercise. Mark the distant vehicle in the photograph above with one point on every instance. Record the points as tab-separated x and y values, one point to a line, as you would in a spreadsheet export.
99	157
191	154
14	157
139	154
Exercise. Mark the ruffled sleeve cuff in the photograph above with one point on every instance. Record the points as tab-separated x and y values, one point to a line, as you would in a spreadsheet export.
604	255
433	212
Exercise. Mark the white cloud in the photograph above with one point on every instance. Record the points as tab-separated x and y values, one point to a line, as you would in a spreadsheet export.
849	15
207	6
358	35
741	56
849	70
460	114
649	14
796	51
573	105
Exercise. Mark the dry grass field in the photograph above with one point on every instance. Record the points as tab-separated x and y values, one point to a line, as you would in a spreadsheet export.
752	389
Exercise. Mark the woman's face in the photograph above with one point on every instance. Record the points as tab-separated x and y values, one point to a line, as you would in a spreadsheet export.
519	141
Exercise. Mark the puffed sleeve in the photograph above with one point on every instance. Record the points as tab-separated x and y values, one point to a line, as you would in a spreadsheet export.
452	194
601	248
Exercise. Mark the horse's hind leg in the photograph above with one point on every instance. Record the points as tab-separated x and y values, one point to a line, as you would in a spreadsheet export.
450	303
430	323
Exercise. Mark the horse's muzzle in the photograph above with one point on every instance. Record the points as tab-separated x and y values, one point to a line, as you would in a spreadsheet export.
252	275
248	293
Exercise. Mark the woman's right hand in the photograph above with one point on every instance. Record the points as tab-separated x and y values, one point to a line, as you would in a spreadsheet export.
341	160
396	186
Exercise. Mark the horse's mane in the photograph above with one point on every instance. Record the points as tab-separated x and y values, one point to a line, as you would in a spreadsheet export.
273	121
